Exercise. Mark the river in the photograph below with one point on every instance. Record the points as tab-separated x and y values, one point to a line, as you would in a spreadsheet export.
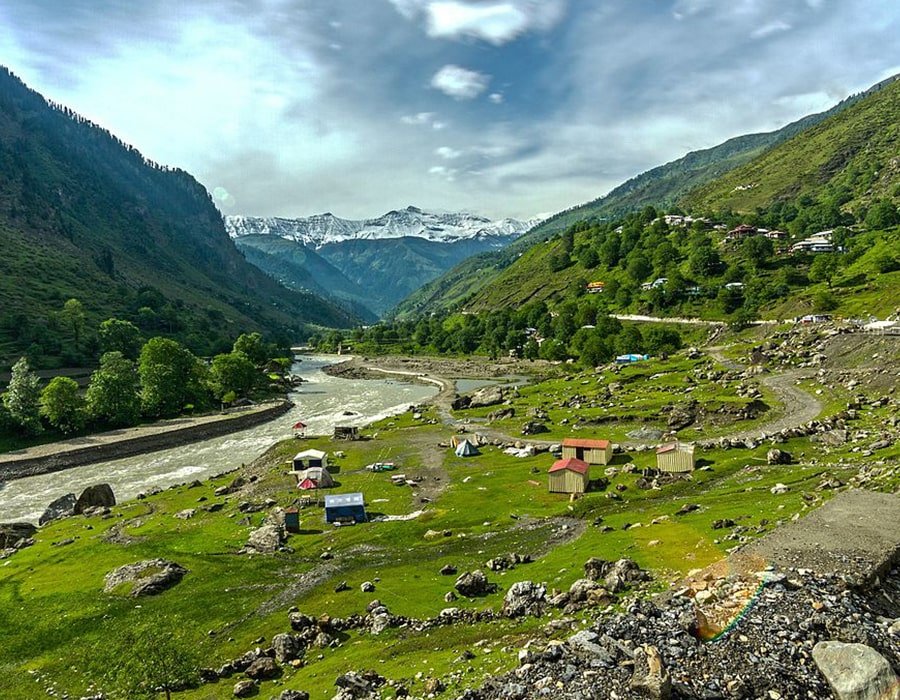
321	402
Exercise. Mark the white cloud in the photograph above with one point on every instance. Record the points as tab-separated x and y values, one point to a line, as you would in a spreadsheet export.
447	153
497	22
449	174
418	119
770	28
460	83
496	98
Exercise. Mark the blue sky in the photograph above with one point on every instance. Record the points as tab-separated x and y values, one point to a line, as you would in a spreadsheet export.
502	107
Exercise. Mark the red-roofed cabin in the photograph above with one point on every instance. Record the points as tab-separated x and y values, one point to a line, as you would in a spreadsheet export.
569	476
591	451
675	458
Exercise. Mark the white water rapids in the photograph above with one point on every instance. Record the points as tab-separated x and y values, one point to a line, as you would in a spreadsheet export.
321	402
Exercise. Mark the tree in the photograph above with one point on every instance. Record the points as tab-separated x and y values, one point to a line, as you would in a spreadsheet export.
73	316
112	393
704	261
22	398
252	345
166	371
121	336
62	405
232	373
824	267
882	214
757	251
141	660
639	268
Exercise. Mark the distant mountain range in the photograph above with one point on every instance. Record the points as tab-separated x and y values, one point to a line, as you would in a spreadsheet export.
83	215
370	264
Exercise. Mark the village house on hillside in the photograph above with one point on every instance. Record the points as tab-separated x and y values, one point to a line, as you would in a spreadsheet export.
675	458
817	243
590	451
569	476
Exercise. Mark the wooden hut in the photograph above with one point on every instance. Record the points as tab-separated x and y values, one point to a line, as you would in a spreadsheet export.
346	432
309	458
345	508
590	451
569	476
675	458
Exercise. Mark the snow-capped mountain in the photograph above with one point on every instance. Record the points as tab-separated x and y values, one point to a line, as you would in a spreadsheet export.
324	229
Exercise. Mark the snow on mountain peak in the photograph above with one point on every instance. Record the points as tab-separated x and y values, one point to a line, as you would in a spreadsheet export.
323	229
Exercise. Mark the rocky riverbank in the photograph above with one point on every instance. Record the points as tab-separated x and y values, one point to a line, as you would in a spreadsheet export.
128	442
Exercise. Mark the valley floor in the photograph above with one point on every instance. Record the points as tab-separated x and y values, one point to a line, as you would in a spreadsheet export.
492	512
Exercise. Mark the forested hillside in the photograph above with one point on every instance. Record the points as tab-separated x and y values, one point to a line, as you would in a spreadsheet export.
662	187
85	216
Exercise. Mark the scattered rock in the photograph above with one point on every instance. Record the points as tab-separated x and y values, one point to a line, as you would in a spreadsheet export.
367	587
650	677
776	456
264	668
148	577
245	689
12	535
287	647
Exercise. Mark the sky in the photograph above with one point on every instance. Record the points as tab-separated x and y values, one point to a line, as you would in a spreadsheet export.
500	107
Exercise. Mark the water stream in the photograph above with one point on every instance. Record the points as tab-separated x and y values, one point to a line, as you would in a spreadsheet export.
321	402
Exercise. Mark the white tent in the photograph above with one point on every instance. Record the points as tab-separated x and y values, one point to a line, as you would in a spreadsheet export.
319	475
310	458
466	449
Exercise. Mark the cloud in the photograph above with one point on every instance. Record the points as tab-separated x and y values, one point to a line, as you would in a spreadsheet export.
447	153
460	83
496	98
770	28
497	22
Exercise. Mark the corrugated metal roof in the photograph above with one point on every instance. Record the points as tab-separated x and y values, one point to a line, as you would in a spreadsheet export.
583	442
344	499
673	446
576	465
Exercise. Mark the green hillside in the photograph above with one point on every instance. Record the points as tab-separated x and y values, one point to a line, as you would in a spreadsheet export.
663	187
850	159
83	215
299	267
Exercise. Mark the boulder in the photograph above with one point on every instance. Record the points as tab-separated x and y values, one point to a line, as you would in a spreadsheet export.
856	672
650	678
287	647
579	590
524	598
62	507
595	568
776	456
360	685
244	689
474	583
448	570
266	539
367	587
622	574
148	577
264	668
487	396
534	428
11	534
96	496
293	695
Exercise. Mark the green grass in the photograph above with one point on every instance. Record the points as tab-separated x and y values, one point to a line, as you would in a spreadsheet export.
52	606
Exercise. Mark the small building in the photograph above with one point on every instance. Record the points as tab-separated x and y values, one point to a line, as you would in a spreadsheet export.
346	432
739	232
299	429
345	508
569	476
309	458
675	458
595	287
292	520
590	451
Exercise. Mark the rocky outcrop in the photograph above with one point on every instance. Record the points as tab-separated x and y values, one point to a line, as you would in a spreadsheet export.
856	671
270	536
96	496
148	577
650	677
